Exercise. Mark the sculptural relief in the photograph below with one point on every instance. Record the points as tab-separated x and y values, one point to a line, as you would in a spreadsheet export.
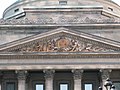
61	19
63	44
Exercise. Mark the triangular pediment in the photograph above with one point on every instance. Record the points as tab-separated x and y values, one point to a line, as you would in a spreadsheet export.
61	40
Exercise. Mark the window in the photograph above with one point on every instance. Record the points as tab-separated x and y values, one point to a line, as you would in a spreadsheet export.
39	86
16	10
111	9
117	85
62	2
63	86
10	86
88	86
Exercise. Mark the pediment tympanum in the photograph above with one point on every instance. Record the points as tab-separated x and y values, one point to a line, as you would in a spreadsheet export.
63	44
60	40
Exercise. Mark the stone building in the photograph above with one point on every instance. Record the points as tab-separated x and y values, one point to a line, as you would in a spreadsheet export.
60	45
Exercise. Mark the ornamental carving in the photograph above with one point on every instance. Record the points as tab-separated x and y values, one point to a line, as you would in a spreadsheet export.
62	44
21	75
105	74
60	21
77	74
49	74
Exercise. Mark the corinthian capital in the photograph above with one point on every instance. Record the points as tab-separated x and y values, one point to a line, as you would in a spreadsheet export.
105	74
77	74
49	74
21	74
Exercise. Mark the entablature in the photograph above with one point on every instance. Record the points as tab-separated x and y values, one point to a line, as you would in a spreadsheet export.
70	55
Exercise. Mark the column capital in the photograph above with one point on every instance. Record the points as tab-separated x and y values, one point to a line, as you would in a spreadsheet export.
77	73
105	73
49	74
21	74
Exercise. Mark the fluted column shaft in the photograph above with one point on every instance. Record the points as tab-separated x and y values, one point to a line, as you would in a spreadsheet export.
49	75
77	75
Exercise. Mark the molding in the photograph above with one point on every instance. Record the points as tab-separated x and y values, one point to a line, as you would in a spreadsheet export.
16	16
110	14
63	8
58	55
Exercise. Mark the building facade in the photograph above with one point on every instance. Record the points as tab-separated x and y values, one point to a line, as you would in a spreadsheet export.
60	45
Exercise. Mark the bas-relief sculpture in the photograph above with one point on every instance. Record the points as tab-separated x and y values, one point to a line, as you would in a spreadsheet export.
40	59
62	44
44	20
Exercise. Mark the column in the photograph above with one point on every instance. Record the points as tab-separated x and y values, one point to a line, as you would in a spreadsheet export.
104	75
21	75
49	75
77	75
1	75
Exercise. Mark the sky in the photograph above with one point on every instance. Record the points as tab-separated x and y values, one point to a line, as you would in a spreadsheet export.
5	3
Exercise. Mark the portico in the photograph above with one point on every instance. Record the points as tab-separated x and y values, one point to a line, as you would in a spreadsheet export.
66	60
55	79
60	45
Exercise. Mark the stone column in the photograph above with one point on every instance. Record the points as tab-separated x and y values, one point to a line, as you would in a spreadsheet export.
21	75
77	75
104	75
1	76
49	75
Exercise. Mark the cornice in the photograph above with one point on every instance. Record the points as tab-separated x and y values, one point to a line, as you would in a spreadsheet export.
37	26
66	55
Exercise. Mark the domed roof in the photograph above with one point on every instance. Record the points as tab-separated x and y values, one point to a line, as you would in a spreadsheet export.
77	2
69	2
20	4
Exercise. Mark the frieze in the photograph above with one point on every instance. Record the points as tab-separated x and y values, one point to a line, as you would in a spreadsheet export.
61	20
62	44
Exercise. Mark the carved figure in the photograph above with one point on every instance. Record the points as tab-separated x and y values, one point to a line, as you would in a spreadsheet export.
63	44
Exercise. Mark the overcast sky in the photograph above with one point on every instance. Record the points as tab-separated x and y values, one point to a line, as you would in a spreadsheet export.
5	3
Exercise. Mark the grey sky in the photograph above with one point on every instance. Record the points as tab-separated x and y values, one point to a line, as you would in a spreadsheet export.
5	3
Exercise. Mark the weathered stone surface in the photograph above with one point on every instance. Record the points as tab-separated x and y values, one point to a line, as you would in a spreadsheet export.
61	21
61	40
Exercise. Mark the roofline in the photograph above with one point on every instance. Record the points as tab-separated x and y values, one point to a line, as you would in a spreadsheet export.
112	2
21	2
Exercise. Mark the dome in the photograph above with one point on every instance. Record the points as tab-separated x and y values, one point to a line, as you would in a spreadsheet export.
18	7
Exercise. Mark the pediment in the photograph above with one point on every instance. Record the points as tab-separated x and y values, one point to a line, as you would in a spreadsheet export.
61	40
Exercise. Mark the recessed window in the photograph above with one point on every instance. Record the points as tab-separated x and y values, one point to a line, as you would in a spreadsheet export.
63	86
88	86
111	9
62	2
10	86
16	10
39	87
